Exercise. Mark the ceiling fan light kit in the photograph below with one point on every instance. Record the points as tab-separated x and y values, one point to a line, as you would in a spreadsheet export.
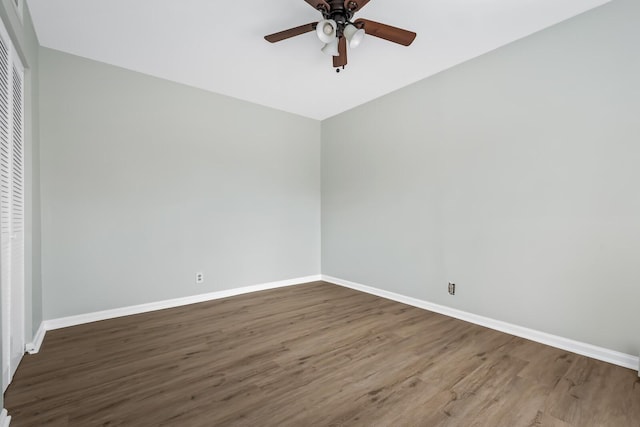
336	29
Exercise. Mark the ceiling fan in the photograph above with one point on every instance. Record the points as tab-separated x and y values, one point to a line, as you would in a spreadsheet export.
336	29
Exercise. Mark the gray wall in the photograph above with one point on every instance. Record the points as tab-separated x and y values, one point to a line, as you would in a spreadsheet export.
514	175
146	182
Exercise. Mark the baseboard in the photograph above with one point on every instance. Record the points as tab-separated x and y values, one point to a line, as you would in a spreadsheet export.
589	350
80	319
34	346
5	419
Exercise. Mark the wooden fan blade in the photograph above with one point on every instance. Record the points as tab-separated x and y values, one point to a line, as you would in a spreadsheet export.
387	32
319	4
341	60
291	32
355	5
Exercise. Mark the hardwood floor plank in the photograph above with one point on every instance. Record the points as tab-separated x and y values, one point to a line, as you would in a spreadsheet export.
596	393
314	354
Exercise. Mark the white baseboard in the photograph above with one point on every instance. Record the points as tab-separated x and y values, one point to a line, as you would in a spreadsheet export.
34	346
64	322
5	419
595	352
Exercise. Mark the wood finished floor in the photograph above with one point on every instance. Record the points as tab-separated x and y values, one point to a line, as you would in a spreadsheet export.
307	355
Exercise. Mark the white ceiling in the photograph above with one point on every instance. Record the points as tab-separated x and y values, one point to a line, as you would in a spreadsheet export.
218	45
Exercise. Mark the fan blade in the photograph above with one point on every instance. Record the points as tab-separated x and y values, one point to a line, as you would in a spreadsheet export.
291	32
355	5
387	32
341	61
319	4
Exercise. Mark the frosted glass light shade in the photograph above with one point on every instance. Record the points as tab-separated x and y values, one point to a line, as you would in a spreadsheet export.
326	30
353	35
331	48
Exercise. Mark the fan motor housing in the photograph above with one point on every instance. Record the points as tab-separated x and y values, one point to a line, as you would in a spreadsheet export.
338	12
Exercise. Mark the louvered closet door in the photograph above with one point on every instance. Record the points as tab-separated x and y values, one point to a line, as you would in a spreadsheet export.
11	209
16	221
5	198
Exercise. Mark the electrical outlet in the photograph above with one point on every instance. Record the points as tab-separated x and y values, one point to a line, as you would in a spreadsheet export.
199	278
452	288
